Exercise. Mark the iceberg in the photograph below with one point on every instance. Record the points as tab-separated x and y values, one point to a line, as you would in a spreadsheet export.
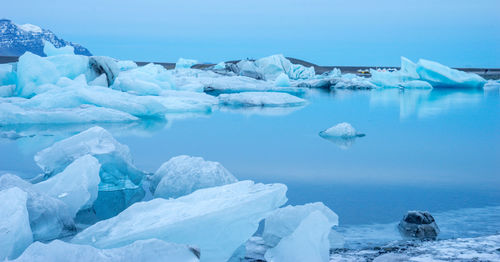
260	99
308	242
143	250
351	81
34	71
439	75
150	79
183	63
282	80
11	114
220	66
182	175
217	220
7	75
272	66
341	130
76	186
105	65
117	170
49	217
125	65
50	50
232	84
15	231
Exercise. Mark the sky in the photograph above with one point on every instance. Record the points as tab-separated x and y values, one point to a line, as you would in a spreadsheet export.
459	33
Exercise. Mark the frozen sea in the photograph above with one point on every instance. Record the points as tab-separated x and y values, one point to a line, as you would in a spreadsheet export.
436	150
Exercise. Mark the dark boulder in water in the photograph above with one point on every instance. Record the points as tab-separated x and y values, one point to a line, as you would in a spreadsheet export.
419	225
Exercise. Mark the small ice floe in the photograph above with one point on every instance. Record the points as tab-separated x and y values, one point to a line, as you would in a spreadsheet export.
273	99
343	135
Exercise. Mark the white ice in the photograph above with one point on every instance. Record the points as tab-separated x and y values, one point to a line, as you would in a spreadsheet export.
272	66
15	231
184	63
282	80
182	175
439	75
260	99
150	250
117	169
343	129
150	79
308	242
76	185
49	217
50	50
217	220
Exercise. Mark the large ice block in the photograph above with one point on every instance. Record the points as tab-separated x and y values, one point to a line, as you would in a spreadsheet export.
15	231
217	220
50	50
76	185
260	99
150	250
439	75
182	175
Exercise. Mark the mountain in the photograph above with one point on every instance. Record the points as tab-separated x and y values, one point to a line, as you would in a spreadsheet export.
17	39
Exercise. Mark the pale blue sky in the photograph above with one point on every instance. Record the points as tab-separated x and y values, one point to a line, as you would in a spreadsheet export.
336	32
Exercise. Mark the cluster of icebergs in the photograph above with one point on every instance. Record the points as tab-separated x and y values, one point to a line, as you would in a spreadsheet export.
68	88
92	203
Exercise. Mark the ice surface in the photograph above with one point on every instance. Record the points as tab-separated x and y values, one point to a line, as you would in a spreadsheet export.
183	63
117	170
260	99
11	113
143	250
220	65
351	81
415	84
7	75
341	130
217	220
439	75
150	79
272	66
308	242
182	175
33	71
125	65
492	85
104	65
76	186
284	221
15	232
231	84
49	217
101	80
50	50
282	80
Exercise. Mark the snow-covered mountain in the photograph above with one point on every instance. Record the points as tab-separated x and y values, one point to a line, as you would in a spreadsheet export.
17	39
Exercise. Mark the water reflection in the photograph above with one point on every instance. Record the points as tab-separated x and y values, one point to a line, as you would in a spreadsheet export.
425	103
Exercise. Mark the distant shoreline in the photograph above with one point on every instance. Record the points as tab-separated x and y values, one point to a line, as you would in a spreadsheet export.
487	73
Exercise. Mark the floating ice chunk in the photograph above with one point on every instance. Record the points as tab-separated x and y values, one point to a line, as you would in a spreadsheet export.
415	84
33	71
7	90
220	65
260	99
308	242
14	114
249	69
282	80
101	80
341	130
231	84
185	63
335	73
182	175
217	220
439	75
76	186
491	85
284	221
117	170
408	68
143	250
49	218
15	232
272	66
125	65
315	83
105	65
50	50
350	81
150	79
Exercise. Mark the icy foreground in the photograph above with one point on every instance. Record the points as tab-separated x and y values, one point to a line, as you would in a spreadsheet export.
15	232
68	88
142	250
217	219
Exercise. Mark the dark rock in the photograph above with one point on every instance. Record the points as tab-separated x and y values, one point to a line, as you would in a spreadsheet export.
418	224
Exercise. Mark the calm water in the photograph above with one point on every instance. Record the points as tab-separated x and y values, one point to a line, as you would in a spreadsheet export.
425	150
